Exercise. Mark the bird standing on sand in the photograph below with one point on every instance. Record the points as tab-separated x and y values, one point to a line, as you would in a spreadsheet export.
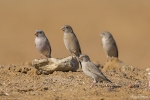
109	45
91	70
42	44
70	40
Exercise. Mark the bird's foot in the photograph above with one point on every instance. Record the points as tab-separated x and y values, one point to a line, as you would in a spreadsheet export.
41	57
93	84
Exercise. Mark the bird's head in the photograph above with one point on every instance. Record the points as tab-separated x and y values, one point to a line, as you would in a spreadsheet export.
39	33
67	29
84	58
106	35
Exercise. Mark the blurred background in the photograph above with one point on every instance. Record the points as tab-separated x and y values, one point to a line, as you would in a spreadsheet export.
127	20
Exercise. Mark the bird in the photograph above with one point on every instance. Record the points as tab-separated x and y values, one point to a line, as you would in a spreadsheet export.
70	40
109	45
42	44
91	70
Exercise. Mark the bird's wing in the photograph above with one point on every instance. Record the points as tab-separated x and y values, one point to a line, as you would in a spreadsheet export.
76	40
80	49
115	46
48	43
93	69
116	49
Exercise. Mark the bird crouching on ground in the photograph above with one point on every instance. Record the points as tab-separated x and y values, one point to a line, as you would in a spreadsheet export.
91	70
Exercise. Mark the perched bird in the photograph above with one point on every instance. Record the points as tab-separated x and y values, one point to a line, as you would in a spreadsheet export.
109	45
70	40
42	44
91	70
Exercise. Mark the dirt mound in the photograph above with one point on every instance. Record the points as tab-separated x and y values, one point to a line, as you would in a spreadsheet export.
22	82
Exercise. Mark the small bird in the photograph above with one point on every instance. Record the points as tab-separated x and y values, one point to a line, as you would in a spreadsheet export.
91	70
70	40
42	44
109	45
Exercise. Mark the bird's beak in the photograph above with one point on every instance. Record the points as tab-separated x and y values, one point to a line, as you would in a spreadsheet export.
63	29
36	34
100	34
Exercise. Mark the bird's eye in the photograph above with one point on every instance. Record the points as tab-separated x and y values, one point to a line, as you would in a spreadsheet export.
66	27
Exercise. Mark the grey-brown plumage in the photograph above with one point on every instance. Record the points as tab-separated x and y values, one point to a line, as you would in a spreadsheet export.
91	70
70	40
42	44
109	45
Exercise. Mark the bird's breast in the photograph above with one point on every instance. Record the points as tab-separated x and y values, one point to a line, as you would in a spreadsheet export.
69	40
40	42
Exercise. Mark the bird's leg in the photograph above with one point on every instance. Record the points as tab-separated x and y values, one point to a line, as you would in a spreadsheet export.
47	58
72	55
111	58
93	83
41	57
79	63
108	58
75	56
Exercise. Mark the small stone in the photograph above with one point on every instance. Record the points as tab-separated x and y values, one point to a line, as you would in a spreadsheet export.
127	68
129	86
148	69
124	75
45	88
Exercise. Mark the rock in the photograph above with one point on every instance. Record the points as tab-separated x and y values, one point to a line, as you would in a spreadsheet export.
115	63
50	65
148	69
127	68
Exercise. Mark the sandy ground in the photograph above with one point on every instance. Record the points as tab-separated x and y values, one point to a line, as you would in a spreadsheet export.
20	82
127	20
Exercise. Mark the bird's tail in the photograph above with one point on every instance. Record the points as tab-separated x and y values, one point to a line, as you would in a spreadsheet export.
105	78
79	61
48	56
77	57
108	80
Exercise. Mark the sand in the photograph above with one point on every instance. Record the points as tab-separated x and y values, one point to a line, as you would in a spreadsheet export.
20	82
